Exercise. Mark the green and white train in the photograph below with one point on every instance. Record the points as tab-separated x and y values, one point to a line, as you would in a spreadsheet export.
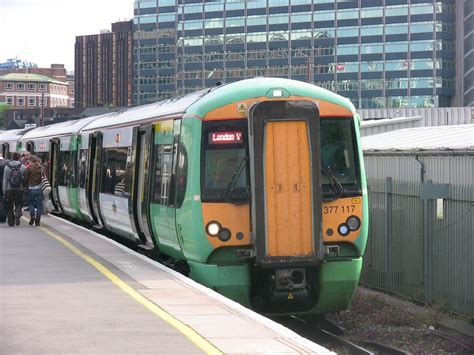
256	188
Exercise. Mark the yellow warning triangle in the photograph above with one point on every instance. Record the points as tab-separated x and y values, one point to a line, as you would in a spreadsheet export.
242	107
290	296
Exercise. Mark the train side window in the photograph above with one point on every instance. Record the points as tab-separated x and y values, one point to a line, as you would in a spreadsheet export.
82	168
163	174
116	178
181	175
65	168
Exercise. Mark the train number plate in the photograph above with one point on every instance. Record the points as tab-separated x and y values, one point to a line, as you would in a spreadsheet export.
338	209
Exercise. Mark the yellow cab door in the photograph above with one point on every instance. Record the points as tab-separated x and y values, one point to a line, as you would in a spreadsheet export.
288	189
286	200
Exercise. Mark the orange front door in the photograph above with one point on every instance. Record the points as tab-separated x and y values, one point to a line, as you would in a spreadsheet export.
288	189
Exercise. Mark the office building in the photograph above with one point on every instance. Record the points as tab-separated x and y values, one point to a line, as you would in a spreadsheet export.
378	53
103	67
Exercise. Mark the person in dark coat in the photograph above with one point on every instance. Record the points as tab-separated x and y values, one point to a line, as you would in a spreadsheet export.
13	188
32	180
3	214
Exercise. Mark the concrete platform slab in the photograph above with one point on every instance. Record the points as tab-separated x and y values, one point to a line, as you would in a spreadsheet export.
104	298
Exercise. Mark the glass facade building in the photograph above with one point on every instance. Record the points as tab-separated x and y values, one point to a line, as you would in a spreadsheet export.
468	50
378	53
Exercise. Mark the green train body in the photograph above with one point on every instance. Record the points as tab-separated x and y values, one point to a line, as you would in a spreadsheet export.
257	188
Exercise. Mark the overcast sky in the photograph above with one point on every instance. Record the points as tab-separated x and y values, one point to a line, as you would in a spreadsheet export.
44	31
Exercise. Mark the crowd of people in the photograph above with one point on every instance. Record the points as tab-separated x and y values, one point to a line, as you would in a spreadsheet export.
23	173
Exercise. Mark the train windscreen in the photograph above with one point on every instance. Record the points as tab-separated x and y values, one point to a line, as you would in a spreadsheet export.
225	162
339	167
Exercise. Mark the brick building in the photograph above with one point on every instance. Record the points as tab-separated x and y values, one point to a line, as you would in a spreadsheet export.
103	67
18	90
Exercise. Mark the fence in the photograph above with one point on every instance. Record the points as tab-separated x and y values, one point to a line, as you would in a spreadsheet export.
421	242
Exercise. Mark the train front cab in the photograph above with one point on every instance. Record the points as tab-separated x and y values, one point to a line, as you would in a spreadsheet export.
296	237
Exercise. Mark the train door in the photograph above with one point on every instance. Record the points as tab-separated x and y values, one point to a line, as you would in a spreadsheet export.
286	206
162	209
30	147
65	175
141	197
94	181
54	172
115	199
83	163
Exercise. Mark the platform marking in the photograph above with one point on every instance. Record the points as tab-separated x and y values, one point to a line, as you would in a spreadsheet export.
187	331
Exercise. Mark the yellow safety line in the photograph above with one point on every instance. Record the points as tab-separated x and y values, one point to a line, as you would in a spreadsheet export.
188	332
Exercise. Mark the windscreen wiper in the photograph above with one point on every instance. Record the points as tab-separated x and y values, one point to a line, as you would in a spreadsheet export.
229	190
335	184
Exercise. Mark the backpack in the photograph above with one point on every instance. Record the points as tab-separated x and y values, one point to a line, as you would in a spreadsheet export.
15	179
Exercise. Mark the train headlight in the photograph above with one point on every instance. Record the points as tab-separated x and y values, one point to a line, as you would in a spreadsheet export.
225	235
213	228
343	229
353	222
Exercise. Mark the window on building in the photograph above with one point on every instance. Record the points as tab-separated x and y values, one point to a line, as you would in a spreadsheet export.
42	87
20	86
9	100
9	86
31	86
20	101
31	101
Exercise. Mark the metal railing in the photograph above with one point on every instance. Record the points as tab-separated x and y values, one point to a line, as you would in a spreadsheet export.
421	242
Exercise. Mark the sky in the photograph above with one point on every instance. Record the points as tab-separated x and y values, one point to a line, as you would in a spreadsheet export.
44	31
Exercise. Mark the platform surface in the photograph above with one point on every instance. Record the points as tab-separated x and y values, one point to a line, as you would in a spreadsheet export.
65	289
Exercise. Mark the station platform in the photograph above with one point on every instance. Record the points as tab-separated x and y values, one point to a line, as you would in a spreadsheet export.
66	289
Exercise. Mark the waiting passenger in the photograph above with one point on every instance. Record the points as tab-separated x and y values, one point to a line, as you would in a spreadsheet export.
33	177
13	188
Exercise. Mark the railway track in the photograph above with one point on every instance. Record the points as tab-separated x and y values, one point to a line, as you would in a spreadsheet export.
329	335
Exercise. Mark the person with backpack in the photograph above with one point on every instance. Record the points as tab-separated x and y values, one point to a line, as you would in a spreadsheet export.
13	188
33	175
3	214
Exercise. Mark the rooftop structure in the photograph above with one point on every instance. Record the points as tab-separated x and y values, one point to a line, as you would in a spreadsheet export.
15	63
417	140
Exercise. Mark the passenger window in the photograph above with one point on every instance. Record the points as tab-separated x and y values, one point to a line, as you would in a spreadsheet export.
163	173
65	168
165	184
182	174
82	168
117	172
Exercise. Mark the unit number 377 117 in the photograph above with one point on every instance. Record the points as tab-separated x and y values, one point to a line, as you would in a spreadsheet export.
336	209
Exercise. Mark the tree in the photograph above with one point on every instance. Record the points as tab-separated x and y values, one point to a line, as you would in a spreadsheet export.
3	108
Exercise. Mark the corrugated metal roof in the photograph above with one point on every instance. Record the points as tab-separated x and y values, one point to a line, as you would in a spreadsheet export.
460	137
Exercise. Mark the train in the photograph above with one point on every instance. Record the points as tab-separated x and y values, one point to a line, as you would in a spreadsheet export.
255	189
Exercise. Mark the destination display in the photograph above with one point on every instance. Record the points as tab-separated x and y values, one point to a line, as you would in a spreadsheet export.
227	137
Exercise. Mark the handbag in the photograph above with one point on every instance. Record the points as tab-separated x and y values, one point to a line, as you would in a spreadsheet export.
47	206
44	184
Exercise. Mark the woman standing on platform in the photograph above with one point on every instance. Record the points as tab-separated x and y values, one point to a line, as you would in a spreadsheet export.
33	176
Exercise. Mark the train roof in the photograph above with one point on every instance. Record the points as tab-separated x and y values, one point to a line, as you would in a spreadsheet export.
258	87
12	134
198	103
171	107
61	129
